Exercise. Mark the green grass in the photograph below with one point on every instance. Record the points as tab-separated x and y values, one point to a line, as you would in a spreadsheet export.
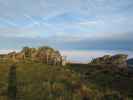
37	81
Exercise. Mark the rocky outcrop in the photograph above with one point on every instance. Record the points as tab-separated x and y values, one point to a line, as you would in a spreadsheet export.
119	60
43	54
16	56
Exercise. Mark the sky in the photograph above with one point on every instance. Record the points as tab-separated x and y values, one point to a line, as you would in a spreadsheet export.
67	25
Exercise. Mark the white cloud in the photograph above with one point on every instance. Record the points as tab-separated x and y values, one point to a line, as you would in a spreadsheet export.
88	23
5	51
19	32
32	21
8	22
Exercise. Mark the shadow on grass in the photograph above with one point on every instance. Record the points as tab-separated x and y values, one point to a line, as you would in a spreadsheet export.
12	83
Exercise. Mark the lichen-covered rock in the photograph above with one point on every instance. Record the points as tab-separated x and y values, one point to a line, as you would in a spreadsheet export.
119	60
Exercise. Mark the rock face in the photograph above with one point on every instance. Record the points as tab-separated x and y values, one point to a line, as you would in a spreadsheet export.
43	54
119	60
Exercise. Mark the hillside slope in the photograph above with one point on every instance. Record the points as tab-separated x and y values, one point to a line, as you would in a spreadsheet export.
38	81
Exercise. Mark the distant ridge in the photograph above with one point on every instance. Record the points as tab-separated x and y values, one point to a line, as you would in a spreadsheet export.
130	61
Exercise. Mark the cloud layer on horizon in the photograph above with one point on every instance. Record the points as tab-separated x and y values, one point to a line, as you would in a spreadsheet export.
69	43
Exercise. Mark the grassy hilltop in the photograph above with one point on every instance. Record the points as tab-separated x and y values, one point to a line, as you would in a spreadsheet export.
38	74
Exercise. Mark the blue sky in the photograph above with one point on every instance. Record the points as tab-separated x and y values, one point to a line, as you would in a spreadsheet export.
67	24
